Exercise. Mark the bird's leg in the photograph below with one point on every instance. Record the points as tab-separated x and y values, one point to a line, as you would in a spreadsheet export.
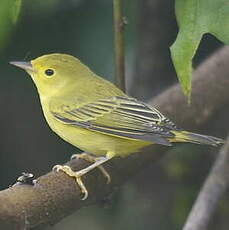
77	175
67	170
92	159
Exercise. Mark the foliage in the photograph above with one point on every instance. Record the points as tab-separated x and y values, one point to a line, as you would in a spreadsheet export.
16	10
9	12
196	18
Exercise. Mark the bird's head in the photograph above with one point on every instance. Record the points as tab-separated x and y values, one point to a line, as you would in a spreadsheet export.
53	72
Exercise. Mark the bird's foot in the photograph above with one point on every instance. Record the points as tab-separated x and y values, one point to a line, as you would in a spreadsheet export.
76	175
92	159
97	162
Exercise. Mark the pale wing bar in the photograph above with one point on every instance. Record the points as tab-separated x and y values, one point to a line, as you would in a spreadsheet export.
122	132
120	116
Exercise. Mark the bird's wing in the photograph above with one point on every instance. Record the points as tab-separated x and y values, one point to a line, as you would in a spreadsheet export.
119	116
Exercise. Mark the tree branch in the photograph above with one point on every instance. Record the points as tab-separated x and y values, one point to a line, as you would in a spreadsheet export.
119	44
213	189
55	195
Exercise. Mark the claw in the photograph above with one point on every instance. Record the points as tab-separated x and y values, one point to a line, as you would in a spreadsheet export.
93	159
57	168
97	163
76	175
82	188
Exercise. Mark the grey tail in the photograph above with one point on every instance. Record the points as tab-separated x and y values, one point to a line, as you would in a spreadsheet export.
184	136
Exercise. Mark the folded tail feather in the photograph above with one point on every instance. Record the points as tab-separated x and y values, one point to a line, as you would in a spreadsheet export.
185	136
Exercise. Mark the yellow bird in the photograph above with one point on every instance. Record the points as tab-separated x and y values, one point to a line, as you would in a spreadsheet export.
97	117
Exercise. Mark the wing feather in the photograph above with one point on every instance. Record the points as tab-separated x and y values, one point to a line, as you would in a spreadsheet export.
119	116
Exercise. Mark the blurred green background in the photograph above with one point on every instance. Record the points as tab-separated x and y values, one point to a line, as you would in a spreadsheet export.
159	197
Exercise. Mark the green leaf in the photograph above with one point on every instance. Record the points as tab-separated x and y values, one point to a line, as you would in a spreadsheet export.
16	10
9	12
5	6
195	18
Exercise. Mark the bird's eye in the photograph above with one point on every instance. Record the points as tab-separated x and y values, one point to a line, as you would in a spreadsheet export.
49	72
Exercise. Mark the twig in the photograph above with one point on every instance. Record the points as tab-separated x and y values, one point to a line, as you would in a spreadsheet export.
56	196
119	44
209	196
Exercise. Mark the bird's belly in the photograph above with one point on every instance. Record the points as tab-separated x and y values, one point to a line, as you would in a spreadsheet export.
95	142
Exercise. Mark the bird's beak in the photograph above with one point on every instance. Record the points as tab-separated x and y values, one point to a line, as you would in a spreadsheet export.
23	65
